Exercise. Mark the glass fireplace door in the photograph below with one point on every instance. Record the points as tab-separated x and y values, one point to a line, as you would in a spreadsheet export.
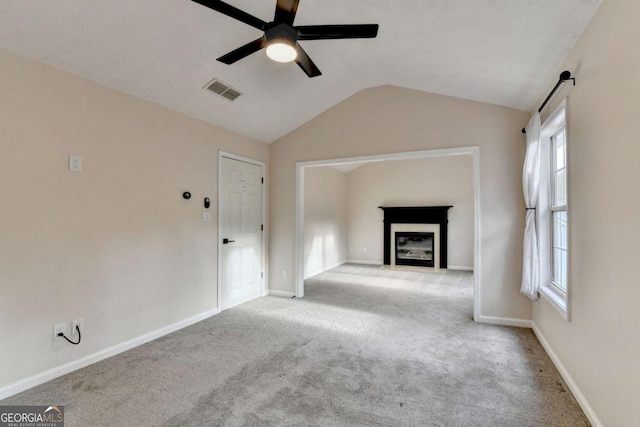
414	249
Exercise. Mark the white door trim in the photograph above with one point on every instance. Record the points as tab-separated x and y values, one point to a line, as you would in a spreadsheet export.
473	151
232	156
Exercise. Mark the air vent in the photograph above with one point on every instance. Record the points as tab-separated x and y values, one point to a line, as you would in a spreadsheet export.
231	94
224	90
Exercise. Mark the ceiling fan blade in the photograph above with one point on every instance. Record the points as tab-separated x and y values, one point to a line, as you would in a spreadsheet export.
306	63
286	11
243	51
227	9
323	32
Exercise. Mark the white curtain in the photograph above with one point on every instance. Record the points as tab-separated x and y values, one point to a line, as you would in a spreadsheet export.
530	186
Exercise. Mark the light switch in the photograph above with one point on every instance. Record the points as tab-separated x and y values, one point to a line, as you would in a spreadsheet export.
75	163
206	216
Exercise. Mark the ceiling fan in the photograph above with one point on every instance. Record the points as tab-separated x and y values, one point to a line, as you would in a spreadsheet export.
280	36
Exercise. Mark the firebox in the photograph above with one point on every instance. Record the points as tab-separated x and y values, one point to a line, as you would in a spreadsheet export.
414	248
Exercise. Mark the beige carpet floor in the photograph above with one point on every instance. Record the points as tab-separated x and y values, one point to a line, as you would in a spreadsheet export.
365	347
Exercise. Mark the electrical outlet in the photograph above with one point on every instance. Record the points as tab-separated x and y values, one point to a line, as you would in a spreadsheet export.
364	250
284	274
60	327
77	322
206	216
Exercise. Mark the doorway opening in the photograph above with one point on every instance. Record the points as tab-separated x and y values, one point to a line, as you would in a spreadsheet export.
472	151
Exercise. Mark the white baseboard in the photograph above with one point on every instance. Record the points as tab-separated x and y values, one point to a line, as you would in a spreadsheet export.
322	270
504	321
281	294
58	371
364	261
582	401
459	267
369	262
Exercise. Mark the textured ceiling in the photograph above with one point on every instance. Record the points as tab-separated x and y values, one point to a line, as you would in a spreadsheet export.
502	52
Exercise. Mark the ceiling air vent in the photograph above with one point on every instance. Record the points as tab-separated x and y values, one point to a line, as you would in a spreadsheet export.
224	90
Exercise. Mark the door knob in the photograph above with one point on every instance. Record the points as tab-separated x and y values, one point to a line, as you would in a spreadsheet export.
225	241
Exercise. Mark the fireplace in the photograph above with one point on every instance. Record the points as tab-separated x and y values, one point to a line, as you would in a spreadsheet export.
414	248
416	235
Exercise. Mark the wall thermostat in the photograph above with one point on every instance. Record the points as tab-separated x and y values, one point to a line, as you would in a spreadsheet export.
186	195
207	203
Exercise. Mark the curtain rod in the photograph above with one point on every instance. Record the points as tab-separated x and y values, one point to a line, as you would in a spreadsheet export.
564	76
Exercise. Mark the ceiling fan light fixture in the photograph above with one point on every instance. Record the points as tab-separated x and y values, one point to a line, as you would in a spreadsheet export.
282	50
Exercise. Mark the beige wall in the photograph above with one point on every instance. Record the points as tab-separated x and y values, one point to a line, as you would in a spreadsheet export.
434	181
116	244
600	347
391	119
325	219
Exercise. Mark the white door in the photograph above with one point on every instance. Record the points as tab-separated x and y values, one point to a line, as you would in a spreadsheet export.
240	233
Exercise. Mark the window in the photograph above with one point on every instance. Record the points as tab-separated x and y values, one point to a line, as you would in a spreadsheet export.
559	209
553	212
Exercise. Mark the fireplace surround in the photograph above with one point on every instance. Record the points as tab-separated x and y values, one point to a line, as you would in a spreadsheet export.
405	215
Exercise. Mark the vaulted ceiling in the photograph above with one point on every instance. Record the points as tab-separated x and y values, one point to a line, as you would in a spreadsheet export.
502	52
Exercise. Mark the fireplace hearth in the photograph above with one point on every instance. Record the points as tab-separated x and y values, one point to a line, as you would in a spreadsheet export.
416	235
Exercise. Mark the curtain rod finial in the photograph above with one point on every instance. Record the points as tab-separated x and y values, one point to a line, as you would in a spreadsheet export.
565	75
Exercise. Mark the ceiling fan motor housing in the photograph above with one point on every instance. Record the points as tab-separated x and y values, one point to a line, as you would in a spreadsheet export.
282	32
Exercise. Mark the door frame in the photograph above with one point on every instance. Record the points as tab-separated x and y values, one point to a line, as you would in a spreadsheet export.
263	279
473	151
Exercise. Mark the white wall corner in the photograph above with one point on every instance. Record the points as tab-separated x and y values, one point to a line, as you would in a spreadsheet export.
59	371
582	401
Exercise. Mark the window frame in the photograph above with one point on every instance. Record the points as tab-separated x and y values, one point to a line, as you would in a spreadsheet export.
551	291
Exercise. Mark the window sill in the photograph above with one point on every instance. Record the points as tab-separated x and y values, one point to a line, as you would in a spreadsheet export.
556	299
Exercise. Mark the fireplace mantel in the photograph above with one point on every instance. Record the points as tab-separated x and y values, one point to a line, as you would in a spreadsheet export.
416	215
